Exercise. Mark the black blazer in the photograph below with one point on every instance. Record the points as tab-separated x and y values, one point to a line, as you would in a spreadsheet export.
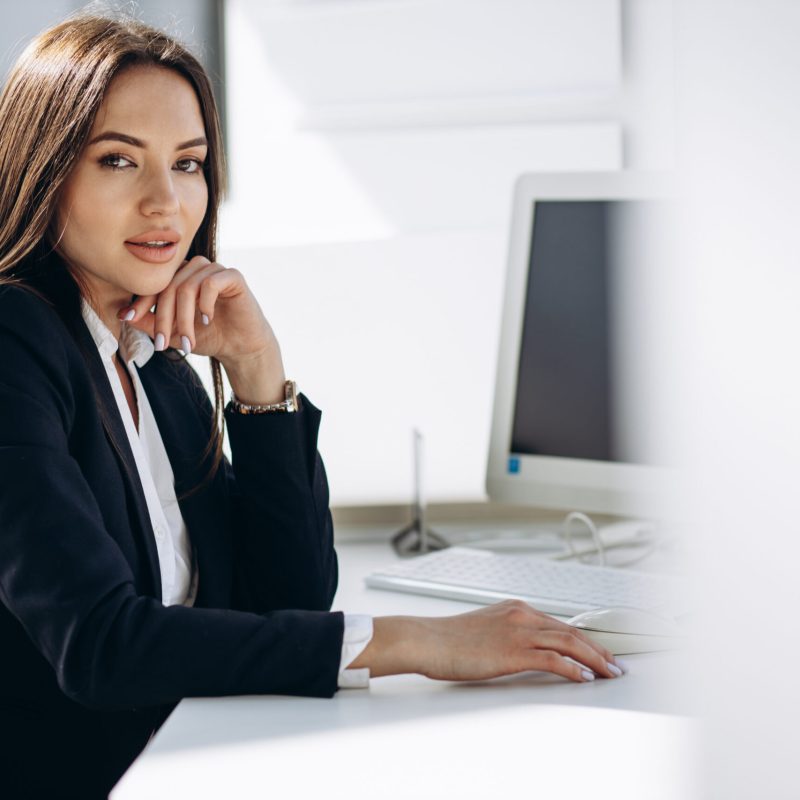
90	661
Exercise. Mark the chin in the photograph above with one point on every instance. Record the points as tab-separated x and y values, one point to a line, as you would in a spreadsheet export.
153	284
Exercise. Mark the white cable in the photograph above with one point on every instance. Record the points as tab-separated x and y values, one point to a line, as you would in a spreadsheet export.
566	530
600	548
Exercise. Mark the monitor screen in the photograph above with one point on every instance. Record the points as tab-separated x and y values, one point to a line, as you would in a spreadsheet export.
569	399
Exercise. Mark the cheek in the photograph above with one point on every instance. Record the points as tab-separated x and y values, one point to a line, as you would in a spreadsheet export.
196	204
68	223
84	209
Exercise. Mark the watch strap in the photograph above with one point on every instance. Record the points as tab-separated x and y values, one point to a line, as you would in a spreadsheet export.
288	405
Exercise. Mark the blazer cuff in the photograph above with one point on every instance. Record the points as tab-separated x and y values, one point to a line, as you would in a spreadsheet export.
357	635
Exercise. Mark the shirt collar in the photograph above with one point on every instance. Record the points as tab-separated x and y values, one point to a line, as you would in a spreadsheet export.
134	345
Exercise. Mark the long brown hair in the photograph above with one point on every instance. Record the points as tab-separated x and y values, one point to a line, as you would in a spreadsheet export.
47	109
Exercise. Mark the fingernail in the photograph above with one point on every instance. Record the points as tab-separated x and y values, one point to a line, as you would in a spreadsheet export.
204	317
186	345
622	665
614	669
586	675
160	341
130	315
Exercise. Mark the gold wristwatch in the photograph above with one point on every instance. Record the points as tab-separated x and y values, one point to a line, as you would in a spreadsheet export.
288	405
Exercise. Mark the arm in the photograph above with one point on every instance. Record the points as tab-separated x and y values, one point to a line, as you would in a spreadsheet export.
277	485
64	575
498	640
284	524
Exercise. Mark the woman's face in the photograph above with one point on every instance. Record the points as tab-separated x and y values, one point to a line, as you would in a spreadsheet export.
131	206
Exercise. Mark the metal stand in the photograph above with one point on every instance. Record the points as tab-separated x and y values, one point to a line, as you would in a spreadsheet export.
417	538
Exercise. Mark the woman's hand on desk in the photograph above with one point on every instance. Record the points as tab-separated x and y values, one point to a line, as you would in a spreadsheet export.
501	639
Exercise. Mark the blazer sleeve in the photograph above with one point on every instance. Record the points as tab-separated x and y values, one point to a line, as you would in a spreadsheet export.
282	526
67	582
277	492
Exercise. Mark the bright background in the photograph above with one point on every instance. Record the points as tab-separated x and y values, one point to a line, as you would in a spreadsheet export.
373	144
373	149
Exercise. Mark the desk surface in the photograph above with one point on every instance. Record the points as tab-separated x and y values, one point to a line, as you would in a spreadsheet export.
407	736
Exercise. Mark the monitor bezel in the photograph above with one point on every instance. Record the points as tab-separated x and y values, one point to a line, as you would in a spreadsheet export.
551	481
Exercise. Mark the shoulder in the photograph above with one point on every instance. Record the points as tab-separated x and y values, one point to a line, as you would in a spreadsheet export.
36	345
32	327
24	311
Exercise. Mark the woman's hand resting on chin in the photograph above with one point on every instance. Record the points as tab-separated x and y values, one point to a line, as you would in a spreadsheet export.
209	310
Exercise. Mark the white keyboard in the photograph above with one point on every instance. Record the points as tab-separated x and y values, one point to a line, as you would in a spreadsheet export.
461	573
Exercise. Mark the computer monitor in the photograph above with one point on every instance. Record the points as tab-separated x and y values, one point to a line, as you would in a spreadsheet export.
572	421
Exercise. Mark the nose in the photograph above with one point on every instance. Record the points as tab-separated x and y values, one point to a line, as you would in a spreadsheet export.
159	197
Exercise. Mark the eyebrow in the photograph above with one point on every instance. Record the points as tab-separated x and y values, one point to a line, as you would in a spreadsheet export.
114	136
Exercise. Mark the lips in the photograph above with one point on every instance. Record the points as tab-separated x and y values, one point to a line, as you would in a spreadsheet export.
169	236
155	247
154	255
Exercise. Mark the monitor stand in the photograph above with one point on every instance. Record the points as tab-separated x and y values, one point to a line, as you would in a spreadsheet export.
417	538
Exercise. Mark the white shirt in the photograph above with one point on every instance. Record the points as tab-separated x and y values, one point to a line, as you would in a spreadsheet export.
176	559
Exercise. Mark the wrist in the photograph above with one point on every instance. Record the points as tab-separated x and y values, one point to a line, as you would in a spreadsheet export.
257	379
399	645
289	404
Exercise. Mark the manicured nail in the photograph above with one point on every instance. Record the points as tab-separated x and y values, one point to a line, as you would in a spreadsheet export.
614	669
204	317
130	315
160	341
186	345
622	665
586	675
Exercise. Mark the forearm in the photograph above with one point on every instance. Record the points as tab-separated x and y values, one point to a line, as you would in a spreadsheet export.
398	645
258	379
279	497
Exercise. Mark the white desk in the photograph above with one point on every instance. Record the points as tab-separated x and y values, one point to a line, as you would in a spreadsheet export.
530	735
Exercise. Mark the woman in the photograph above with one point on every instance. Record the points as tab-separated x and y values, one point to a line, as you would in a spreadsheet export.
137	566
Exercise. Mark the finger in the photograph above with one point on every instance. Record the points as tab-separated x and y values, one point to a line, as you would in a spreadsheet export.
185	312
567	644
551	661
526	616
166	332
211	288
162	319
544	621
190	301
557	625
203	289
138	314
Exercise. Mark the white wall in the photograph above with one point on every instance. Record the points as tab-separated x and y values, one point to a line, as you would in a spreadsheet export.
22	21
373	150
738	399
194	22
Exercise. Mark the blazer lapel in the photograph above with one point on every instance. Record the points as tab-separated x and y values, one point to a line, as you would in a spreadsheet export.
140	524
184	435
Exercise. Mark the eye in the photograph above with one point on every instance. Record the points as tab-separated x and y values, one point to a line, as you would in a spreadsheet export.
190	165
116	161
